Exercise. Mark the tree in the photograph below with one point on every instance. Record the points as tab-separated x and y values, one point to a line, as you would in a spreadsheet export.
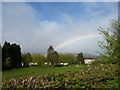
39	59
67	58
11	56
55	57
50	50
111	43
52	56
5	55
15	54
26	59
80	58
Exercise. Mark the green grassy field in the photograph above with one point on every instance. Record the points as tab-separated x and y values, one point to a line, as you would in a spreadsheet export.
38	71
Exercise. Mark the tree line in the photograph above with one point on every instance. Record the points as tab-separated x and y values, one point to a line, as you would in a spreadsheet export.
56	58
13	58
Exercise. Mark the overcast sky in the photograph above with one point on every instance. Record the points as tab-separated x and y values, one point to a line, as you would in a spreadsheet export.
36	26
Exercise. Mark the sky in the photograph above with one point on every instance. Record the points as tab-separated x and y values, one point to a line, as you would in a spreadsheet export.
66	26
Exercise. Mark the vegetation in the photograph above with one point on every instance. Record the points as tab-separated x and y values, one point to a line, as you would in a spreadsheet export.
52	56
39	59
80	58
11	56
67	58
95	76
26	59
111	45
37	71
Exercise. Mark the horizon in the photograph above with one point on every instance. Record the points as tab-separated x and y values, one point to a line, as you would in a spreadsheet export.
64	25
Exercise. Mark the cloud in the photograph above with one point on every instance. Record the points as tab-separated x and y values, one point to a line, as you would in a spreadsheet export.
21	24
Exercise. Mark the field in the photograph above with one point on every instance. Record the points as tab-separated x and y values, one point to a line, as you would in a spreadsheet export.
82	76
38	71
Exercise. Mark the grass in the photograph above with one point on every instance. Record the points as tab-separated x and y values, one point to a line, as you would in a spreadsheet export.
37	71
93	76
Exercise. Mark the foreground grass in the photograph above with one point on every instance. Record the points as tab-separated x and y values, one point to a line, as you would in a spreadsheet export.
94	76
38	71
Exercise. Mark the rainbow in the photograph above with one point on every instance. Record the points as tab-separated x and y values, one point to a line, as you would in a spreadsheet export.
80	37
